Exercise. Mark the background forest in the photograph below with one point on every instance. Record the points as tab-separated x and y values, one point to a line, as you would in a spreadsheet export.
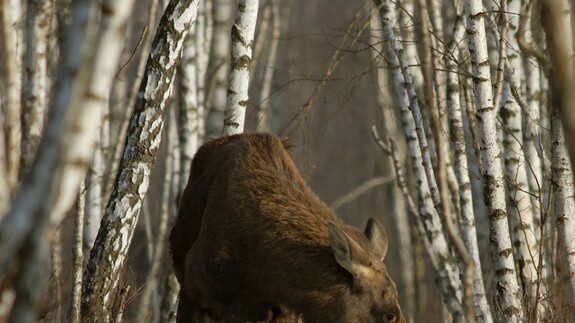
446	120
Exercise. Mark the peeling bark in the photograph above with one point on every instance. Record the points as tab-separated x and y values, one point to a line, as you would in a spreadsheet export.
507	292
242	42
132	181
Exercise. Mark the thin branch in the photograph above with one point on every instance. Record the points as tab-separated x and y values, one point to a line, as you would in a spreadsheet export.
528	48
359	191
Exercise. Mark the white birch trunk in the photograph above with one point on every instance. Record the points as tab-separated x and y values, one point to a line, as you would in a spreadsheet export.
202	56
242	42
520	210
507	292
56	304
36	87
557	23
218	68
109	253
116	150
468	227
5	194
94	198
78	256
149	305
439	252
532	144
564	208
405	13
190	116
51	187
399	205
10	81
265	108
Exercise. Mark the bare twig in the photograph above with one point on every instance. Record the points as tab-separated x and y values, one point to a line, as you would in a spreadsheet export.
359	190
528	48
441	175
124	292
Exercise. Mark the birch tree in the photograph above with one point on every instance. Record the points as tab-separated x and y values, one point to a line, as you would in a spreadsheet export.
11	89
190	113
264	110
557	24
149	307
63	156
242	42
132	182
439	252
468	228
564	208
218	68
520	210
36	83
507	292
400	209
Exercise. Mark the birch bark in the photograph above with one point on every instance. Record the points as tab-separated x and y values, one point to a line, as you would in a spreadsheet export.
149	308
242	42
520	210
50	188
564	207
218	68
468	227
557	22
101	278
78	256
265	107
94	198
11	88
399	206
507	293
190	116
440	254
35	90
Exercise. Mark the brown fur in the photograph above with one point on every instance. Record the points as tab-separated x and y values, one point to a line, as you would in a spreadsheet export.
251	241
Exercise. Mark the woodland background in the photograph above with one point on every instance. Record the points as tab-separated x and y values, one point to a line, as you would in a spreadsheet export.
449	131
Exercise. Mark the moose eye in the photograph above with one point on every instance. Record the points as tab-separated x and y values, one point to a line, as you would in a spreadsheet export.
390	317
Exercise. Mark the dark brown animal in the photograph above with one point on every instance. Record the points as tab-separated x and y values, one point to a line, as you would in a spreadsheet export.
251	240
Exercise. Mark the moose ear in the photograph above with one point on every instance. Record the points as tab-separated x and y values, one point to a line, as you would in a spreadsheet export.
347	252
375	234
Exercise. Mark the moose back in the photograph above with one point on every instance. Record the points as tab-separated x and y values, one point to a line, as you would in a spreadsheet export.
252	242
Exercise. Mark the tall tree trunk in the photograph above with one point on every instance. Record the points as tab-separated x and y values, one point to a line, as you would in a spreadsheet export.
520	210
556	18
51	187
78	256
557	22
264	109
149	305
35	90
399	207
218	68
190	118
564	209
468	227
439	252
507	292
101	278
242	42
11	88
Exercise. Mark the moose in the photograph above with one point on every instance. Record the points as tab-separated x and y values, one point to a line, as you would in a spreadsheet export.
252	242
